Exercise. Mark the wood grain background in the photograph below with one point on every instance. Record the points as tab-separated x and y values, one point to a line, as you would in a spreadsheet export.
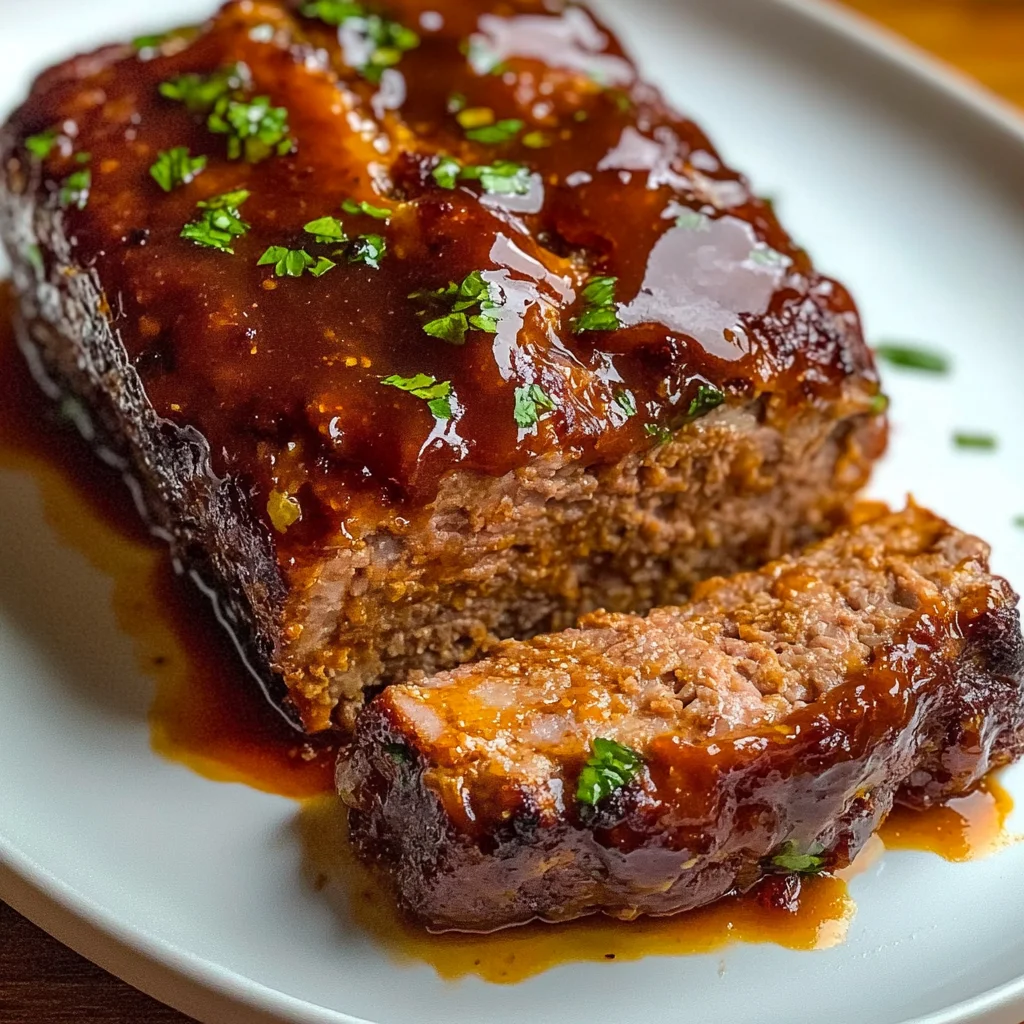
42	982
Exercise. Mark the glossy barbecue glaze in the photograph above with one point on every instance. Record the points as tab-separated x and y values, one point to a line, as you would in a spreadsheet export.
283	375
469	787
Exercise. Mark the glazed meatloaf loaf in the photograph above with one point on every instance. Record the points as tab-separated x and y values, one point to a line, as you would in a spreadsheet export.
651	765
423	325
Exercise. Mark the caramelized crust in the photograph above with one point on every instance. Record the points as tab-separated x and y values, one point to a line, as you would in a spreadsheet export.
779	710
201	362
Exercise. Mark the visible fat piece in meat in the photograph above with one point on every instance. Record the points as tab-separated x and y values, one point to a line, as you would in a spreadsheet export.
776	717
650	383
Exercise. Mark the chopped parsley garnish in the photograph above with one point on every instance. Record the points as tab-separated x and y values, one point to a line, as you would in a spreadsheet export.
294	262
1018	521
200	93
447	172
661	434
625	401
389	39
368	249
879	403
219	221
599	310
362	206
503	177
472	304
981	442
911	357
74	189
609	767
437	394
789	858
332	12
328	230
707	398
451	328
531	401
41	145
254	128
148	46
497	133
176	167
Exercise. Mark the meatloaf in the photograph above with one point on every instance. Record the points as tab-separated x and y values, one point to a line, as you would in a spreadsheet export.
652	765
423	325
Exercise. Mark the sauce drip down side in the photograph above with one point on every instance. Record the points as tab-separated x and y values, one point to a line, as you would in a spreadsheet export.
207	713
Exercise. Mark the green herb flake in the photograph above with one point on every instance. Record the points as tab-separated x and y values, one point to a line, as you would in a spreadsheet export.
451	328
437	394
599	309
176	167
294	262
790	859
912	357
609	767
979	442
473	303
41	145
328	230
1018	521
389	40
662	435
332	12
497	133
201	93
707	398
255	129
446	173
219	221
362	206
503	177
368	249
74	189
879	403
531	401
625	401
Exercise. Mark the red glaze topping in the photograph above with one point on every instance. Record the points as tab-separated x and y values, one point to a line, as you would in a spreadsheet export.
586	174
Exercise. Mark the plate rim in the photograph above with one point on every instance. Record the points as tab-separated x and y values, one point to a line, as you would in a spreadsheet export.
214	994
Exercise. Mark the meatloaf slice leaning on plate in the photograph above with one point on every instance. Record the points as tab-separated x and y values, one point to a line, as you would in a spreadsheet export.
651	765
424	325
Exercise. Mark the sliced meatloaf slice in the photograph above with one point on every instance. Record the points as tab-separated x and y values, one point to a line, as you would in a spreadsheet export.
651	765
425	325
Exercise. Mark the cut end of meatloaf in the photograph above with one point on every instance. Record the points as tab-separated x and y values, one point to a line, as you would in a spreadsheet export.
767	725
398	380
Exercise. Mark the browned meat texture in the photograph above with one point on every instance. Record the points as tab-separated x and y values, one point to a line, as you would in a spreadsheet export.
649	384
777	716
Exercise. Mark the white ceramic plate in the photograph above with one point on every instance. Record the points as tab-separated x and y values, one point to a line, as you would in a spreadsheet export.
901	180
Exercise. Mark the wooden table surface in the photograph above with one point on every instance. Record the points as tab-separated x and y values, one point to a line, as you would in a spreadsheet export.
42	982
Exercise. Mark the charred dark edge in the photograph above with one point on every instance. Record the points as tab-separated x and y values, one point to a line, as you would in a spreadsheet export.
230	607
73	351
974	708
